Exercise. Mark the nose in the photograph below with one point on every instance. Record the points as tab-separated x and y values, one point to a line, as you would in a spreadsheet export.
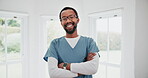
68	20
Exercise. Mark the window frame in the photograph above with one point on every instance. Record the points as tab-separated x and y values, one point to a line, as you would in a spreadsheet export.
92	26
24	60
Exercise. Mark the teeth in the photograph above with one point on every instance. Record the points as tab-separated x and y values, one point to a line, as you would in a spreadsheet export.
69	25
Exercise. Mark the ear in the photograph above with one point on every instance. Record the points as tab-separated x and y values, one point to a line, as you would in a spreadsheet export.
78	20
61	22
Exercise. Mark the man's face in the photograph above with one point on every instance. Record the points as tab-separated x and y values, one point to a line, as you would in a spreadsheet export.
69	21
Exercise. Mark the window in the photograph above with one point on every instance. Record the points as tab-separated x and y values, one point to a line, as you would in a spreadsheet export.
12	45
107	27
52	29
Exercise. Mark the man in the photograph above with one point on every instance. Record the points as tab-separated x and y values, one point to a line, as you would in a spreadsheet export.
72	55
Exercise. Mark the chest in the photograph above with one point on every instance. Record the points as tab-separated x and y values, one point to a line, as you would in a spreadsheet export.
72	55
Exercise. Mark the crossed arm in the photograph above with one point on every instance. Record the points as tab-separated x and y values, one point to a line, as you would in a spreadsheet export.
73	69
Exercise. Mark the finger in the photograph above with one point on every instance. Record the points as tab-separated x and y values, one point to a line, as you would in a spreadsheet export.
60	65
91	56
90	59
92	53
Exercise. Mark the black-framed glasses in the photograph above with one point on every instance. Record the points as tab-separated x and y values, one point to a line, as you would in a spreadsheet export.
71	17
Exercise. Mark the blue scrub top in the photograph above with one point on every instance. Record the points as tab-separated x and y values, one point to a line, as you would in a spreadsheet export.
63	52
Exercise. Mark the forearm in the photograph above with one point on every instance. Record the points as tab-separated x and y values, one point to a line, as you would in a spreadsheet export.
55	72
87	68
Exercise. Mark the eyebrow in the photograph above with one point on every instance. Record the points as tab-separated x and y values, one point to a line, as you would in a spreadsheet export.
67	16
63	16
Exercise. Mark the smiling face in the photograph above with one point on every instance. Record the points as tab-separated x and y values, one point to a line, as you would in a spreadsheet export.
69	21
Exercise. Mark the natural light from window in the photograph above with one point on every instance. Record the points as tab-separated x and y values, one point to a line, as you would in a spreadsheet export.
13	42
10	48
108	31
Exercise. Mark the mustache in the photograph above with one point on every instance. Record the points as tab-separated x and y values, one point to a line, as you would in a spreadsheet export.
69	23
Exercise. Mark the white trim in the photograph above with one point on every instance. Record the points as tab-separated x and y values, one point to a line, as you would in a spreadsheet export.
24	42
92	19
107	13
25	47
43	43
11	62
110	64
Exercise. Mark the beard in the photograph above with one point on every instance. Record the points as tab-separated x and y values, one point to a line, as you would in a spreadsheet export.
70	31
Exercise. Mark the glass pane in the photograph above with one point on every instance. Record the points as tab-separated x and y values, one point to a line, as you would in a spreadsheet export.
54	30
101	72
13	38
102	25
113	72
115	57
2	40
2	71
115	40
15	70
103	56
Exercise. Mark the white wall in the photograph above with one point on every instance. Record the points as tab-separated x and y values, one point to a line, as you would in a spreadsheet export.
128	28
141	39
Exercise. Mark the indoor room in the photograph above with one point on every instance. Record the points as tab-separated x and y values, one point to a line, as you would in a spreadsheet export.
119	28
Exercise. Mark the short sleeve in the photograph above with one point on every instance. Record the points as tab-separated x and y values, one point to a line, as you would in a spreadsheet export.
92	46
51	52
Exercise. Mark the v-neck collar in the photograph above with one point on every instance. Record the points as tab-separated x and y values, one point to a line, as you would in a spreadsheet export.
69	44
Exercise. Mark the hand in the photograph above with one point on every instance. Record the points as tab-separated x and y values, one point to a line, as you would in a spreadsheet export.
67	67
90	56
79	74
61	65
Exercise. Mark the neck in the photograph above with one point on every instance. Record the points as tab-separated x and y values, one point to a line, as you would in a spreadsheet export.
72	35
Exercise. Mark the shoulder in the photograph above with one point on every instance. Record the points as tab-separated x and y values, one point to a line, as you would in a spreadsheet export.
87	38
57	40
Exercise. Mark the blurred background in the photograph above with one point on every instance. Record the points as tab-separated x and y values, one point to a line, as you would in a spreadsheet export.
118	26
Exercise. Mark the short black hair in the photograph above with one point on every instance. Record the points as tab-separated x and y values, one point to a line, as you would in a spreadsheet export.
66	8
